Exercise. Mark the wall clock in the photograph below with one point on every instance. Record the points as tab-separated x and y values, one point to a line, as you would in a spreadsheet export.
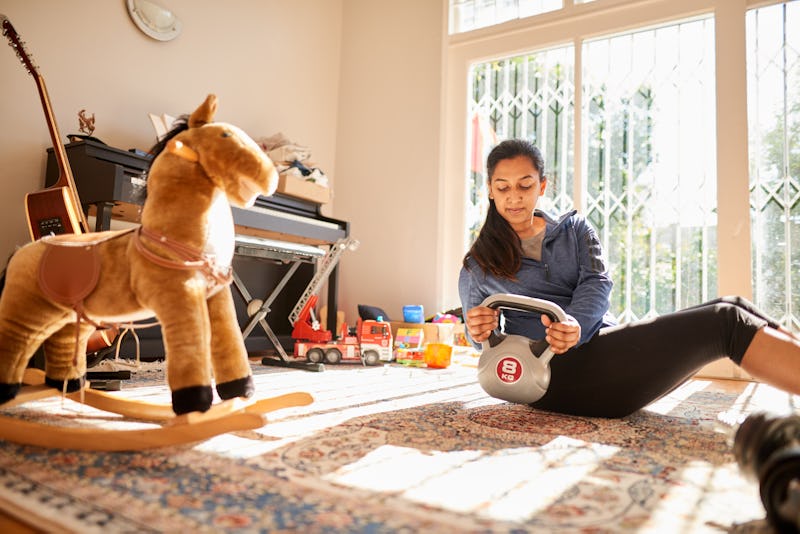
154	20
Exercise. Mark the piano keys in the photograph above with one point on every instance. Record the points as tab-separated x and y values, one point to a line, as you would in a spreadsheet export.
286	218
257	247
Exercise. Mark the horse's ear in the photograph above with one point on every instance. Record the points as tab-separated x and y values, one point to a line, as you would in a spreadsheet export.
205	113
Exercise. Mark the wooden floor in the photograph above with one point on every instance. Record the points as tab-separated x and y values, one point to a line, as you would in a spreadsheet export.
11	525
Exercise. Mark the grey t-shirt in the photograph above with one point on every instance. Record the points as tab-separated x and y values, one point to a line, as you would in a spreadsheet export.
532	246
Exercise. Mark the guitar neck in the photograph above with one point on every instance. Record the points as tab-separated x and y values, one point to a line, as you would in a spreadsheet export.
65	178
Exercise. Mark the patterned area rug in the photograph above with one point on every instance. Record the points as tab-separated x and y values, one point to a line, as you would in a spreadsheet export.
396	449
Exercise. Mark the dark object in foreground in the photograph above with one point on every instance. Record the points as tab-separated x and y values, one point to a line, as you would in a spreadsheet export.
767	447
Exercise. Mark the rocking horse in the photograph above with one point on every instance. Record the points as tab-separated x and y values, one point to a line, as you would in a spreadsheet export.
175	267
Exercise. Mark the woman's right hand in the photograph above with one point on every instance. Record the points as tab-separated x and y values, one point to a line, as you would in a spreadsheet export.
481	321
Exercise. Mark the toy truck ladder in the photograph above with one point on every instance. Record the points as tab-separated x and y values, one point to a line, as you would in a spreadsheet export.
329	261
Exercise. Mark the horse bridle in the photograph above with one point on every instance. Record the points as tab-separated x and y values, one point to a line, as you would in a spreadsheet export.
190	258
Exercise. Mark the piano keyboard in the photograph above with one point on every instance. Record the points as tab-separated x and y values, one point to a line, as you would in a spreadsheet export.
259	247
270	223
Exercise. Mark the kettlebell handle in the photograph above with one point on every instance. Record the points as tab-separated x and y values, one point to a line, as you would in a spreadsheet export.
525	304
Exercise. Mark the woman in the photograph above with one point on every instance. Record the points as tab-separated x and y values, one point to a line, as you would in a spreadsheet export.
599	369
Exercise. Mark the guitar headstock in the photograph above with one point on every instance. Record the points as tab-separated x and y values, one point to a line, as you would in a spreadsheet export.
15	42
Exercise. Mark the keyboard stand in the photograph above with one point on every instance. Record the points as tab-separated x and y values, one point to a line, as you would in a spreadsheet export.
257	310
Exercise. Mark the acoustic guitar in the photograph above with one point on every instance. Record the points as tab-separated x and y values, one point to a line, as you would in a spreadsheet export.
56	209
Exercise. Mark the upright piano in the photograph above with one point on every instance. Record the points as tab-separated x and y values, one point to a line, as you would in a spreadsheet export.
112	183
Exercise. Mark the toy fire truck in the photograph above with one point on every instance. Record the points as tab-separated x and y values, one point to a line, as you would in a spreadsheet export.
371	343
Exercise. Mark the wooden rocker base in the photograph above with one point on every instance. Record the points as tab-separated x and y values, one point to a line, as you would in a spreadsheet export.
226	416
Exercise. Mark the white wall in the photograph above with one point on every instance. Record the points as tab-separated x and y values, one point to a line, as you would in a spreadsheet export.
388	153
359	81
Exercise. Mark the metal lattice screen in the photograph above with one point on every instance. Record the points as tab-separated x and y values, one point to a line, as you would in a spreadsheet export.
649	182
528	97
773	68
650	164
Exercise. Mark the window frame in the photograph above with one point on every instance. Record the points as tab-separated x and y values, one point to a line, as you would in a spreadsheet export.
574	24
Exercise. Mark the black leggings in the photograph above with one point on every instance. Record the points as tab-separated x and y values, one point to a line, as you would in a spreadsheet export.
624	368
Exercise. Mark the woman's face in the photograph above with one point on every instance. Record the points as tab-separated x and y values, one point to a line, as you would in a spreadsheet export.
516	187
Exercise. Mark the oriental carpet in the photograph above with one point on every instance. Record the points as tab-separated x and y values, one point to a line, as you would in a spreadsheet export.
396	449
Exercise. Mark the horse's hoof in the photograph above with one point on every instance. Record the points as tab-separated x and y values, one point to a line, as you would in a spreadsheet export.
192	399
73	384
241	387
8	392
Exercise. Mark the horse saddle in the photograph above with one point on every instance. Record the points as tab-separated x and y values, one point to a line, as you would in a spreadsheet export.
70	266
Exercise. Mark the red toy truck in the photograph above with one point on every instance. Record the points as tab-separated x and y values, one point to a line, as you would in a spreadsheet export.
371	344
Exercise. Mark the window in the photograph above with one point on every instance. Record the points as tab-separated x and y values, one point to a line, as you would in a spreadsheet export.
653	129
530	97
649	185
466	15
773	71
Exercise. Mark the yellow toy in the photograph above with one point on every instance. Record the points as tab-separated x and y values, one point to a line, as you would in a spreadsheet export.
176	267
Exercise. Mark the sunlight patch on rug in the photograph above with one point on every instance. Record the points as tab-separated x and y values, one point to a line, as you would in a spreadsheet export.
719	488
64	412
511	484
669	402
755	398
241	445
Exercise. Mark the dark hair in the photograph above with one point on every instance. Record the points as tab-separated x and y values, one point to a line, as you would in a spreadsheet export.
181	124
498	249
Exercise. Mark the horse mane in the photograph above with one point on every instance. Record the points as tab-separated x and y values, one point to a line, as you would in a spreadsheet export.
181	124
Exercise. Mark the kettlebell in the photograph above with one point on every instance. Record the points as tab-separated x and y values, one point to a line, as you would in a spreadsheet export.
515	368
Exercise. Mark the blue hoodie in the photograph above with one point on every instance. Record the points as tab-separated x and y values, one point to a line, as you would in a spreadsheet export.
572	274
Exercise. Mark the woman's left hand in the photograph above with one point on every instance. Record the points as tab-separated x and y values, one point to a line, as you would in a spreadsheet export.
562	335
